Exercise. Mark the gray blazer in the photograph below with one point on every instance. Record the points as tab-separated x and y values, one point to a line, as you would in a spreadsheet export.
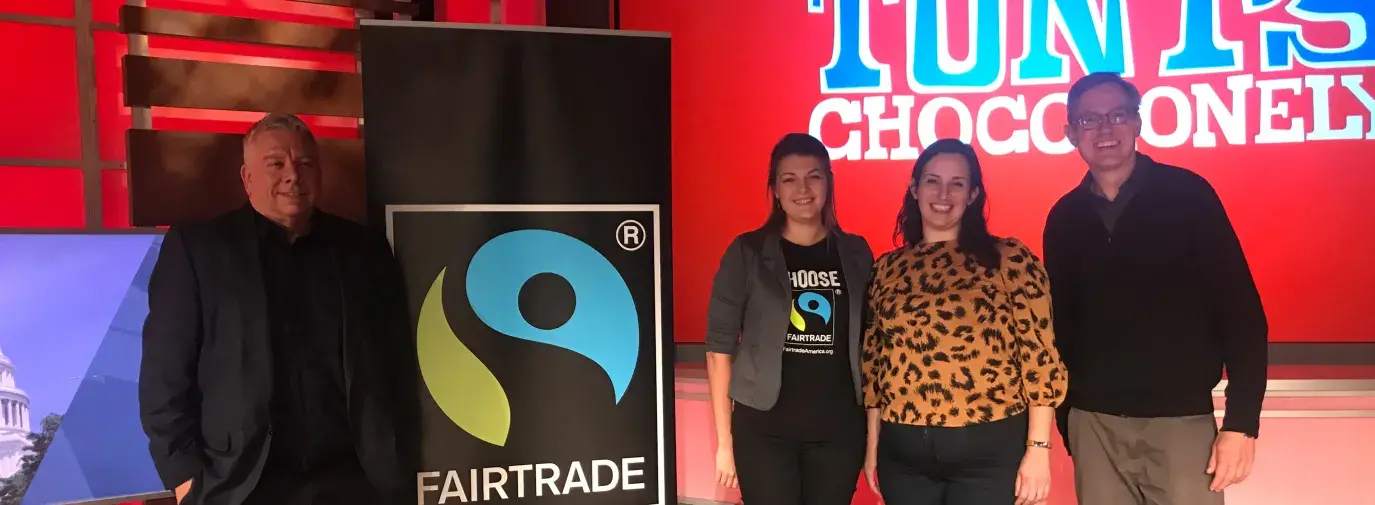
750	301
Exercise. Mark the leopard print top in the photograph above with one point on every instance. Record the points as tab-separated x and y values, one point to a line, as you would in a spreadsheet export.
951	343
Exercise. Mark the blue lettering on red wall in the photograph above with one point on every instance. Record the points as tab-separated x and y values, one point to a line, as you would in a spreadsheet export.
1282	43
853	68
933	69
1081	23
1316	34
1098	34
1201	49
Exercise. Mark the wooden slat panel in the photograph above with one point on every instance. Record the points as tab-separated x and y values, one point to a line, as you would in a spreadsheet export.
145	21
389	6
175	177
150	82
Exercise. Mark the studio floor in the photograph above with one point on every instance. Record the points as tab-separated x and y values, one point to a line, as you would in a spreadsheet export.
1317	435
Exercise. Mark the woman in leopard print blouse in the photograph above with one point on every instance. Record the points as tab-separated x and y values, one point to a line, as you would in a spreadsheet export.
961	377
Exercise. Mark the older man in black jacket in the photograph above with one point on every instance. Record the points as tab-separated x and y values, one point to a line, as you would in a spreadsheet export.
276	367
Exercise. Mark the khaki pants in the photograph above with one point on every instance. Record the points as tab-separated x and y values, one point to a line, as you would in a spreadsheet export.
1142	461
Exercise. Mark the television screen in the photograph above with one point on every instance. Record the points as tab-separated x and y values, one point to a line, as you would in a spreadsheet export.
71	320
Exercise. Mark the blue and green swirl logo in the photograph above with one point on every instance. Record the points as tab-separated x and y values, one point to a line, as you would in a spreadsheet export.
812	303
604	326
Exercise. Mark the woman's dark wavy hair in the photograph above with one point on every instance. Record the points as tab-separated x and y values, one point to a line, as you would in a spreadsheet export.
801	144
974	238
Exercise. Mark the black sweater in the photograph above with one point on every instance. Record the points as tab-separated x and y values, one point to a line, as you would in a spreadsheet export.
1149	314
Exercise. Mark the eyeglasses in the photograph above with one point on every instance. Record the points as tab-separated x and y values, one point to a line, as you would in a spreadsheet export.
1092	121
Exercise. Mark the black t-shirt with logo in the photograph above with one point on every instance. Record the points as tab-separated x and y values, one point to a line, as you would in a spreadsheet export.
817	397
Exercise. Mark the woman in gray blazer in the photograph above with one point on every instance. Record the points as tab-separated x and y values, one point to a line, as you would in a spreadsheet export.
783	336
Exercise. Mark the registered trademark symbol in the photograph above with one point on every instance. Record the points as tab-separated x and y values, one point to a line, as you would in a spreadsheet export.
630	234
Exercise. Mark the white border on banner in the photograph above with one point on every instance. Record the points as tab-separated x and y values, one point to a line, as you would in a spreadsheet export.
510	28
653	209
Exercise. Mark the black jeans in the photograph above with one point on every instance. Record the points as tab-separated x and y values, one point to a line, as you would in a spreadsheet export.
969	465
776	469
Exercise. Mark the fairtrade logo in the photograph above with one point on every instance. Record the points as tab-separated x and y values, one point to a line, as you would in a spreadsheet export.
604	326
812	303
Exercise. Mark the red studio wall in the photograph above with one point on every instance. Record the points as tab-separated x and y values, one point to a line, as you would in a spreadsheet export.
42	180
1285	134
1270	100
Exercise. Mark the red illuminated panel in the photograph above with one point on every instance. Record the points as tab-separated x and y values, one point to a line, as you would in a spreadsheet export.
47	8
1271	135
465	11
35	197
279	10
38	95
114	198
114	117
521	12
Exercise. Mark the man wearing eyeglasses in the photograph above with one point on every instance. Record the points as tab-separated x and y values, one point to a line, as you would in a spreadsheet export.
1152	298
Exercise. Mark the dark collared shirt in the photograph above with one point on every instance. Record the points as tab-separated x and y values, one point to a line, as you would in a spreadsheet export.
1111	210
305	309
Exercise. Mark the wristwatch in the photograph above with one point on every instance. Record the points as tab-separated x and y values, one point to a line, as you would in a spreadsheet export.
1035	443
